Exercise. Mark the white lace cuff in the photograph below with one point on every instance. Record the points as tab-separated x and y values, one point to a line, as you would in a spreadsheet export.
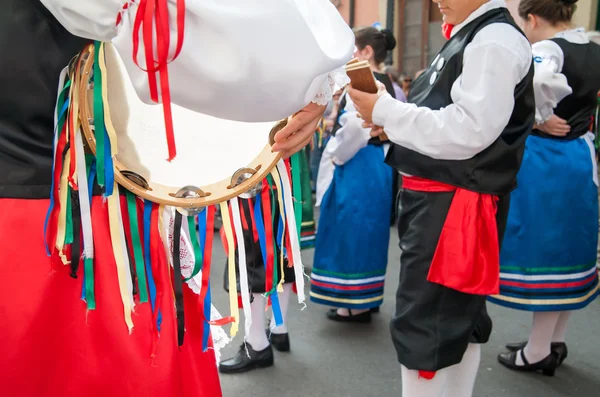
336	80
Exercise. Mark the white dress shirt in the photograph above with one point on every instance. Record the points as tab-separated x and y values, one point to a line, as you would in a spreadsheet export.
494	63
247	60
549	83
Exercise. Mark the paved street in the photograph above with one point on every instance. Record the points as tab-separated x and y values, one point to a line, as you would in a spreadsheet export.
341	360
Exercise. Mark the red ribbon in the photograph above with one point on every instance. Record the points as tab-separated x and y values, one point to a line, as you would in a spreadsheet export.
467	256
206	262
447	30
150	11
159	265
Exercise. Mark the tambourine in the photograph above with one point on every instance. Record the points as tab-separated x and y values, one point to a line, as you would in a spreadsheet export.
217	159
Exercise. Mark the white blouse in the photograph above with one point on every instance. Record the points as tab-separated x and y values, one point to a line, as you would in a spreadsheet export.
248	60
348	140
549	83
494	63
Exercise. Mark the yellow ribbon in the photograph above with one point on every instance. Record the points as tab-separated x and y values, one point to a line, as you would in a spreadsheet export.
233	301
110	129
276	178
119	254
62	215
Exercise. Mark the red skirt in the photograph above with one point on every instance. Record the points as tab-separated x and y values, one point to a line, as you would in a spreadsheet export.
51	346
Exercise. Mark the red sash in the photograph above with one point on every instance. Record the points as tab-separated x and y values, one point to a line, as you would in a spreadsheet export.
467	256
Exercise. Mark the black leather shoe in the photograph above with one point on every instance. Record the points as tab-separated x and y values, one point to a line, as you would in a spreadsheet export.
547	365
364	317
558	348
245	361
281	342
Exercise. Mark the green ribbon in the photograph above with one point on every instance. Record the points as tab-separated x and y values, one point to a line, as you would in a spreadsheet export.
297	189
98	116
90	297
197	251
88	263
69	224
137	246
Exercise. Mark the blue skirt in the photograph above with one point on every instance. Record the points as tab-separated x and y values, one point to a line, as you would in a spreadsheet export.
548	256
353	233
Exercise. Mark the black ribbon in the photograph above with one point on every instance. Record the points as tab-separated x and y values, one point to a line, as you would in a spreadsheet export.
178	284
76	246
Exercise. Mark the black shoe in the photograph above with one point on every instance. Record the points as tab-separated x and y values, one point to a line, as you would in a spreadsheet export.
547	365
558	348
364	317
375	309
248	360
281	342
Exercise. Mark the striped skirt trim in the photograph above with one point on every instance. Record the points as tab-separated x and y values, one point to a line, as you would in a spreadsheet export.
354	294
548	292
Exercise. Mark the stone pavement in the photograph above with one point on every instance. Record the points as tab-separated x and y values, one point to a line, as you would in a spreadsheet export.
343	360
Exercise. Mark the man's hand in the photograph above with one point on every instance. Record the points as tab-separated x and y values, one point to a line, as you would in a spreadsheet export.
364	103
375	129
554	126
299	131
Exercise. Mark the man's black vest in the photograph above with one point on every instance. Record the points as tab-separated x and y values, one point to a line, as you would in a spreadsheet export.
493	170
35	48
580	66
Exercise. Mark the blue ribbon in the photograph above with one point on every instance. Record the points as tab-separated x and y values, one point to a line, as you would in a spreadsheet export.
147	257
207	306
262	238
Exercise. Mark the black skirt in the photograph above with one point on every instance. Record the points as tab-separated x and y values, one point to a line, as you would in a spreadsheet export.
254	258
433	324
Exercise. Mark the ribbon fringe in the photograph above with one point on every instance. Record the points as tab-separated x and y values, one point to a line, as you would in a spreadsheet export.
139	246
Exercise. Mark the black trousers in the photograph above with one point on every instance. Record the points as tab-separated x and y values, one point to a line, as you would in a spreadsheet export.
254	257
433	324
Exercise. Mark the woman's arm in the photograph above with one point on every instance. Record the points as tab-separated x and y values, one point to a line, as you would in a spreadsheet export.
549	84
348	139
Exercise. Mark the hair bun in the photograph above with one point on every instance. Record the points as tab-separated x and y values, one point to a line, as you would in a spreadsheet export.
568	2
389	39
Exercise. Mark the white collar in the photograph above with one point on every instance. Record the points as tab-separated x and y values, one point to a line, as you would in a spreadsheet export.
490	5
575	36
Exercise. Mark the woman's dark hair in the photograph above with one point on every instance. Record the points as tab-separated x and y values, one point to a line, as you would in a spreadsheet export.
553	11
381	41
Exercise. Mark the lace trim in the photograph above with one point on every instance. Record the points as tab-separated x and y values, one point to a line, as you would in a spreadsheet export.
336	80
187	259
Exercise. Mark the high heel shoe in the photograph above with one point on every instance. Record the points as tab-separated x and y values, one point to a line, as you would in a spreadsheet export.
558	348
547	365
364	317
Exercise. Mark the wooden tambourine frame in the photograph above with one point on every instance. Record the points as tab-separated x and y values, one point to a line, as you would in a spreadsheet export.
184	197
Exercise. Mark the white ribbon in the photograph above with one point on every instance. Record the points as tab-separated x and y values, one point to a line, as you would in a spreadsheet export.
292	230
84	198
245	290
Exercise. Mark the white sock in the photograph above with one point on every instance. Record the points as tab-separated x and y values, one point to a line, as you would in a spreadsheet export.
415	386
560	330
542	329
463	374
346	312
284	303
257	338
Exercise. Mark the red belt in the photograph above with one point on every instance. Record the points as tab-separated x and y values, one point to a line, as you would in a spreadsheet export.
467	256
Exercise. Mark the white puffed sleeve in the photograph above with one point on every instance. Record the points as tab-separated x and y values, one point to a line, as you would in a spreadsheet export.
549	84
350	138
91	19
247	60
